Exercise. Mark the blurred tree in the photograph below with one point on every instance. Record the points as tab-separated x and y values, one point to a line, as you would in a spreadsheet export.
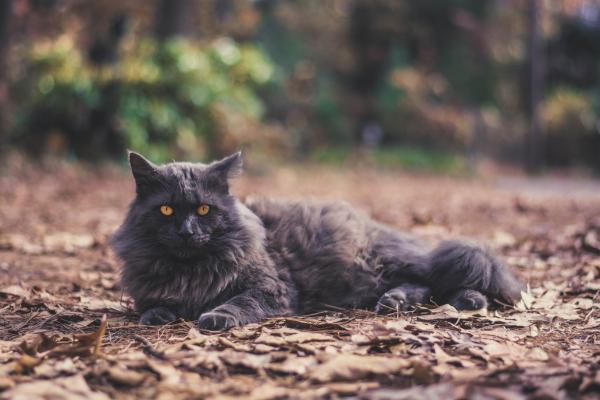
573	53
442	75
174	18
105	47
371	47
5	18
535	79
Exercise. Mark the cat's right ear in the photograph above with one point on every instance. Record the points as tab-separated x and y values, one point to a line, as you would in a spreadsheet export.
144	172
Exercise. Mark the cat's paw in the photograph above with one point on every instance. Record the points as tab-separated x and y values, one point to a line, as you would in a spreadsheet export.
402	298
393	301
468	299
216	321
157	316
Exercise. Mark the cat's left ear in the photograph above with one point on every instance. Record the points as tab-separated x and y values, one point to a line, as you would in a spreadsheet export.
221	171
144	172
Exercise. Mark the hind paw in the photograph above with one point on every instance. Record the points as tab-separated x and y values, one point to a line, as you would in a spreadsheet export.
402	298
392	301
468	299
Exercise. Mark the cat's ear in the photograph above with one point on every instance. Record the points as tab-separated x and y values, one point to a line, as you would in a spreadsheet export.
220	172
144	172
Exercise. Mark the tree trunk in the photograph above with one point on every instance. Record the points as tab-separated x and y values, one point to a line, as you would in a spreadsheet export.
174	18
535	76
371	50
5	16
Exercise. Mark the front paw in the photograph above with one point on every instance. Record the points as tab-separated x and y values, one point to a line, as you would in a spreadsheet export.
216	321
157	316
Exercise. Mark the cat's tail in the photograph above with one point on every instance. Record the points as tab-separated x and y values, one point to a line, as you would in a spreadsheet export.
463	265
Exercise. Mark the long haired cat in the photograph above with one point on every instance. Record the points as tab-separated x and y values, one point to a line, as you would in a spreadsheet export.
191	249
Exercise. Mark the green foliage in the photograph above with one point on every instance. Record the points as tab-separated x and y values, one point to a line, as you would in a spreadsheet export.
415	158
569	112
571	133
405	157
171	99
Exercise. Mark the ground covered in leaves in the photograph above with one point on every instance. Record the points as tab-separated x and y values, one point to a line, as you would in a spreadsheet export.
67	331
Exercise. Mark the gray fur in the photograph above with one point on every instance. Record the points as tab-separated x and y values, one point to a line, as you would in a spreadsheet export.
248	261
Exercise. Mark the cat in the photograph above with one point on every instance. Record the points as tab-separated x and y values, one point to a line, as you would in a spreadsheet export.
192	250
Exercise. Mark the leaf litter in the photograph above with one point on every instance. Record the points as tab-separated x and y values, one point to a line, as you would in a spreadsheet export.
67	331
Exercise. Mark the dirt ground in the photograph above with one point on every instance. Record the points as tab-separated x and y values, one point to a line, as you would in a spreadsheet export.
58	279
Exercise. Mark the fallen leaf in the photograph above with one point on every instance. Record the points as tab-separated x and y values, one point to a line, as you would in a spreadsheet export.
344	367
6	382
246	360
504	239
96	304
67	242
303	337
16	290
71	388
526	301
125	376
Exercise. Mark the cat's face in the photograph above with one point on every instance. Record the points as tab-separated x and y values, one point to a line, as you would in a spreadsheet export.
184	208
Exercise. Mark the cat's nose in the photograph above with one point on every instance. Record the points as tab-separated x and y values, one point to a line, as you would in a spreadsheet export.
185	234
185	230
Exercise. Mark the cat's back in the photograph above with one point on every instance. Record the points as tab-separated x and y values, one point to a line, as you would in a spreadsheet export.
308	229
325	246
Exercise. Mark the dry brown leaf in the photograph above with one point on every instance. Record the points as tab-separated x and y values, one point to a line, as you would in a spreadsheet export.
16	290
6	382
67	242
20	243
262	348
347	388
442	391
125	376
267	392
293	365
84	344
270	340
310	324
71	388
26	363
526	301
47	346
236	346
247	360
582	303
54	368
344	367
504	239
40	344
304	337
97	304
446	311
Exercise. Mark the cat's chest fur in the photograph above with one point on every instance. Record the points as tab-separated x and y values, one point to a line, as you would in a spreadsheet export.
189	287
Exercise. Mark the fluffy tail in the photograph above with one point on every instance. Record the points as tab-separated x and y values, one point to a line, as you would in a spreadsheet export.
460	265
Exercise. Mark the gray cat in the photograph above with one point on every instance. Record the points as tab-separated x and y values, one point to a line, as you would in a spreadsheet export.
192	250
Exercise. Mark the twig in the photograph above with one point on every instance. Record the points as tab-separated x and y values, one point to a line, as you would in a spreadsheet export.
24	324
41	324
148	348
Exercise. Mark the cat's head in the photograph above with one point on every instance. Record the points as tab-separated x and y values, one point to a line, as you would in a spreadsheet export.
184	209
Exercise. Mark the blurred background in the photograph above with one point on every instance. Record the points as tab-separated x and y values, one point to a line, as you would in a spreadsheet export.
442	86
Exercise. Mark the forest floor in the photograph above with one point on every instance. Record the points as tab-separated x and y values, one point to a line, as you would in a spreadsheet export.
58	280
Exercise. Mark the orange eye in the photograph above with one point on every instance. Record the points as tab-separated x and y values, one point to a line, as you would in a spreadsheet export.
166	210
203	209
